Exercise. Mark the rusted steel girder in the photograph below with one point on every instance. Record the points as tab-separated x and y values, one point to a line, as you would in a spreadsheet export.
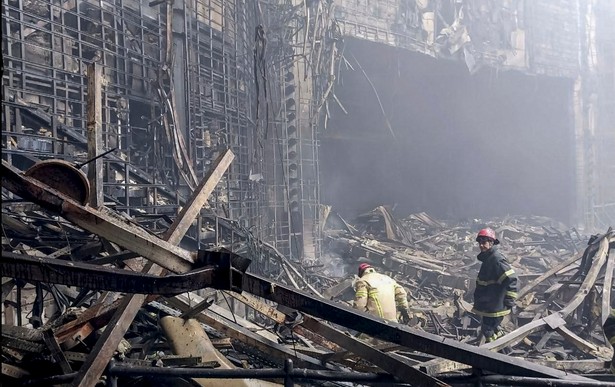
217	274
396	333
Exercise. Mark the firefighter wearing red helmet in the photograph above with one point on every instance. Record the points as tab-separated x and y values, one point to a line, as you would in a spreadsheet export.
496	286
380	295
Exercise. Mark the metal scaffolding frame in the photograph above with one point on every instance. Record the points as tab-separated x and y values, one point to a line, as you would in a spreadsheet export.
196	95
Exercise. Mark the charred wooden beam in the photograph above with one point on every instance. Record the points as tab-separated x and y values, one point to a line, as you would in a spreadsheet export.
592	274
187	338
528	288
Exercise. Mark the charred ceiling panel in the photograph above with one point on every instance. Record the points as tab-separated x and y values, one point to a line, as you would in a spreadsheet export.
458	145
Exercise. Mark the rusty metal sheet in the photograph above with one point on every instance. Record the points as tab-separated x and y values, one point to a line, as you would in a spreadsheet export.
63	177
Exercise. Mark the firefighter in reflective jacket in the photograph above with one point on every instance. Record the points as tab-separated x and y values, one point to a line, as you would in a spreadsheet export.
496	286
380	295
609	332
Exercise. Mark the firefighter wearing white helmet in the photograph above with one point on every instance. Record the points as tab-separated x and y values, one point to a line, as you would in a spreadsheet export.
496	286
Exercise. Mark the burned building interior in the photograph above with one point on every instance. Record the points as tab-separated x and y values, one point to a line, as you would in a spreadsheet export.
188	188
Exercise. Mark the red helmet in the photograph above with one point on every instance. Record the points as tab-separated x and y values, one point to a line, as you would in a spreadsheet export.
363	267
488	233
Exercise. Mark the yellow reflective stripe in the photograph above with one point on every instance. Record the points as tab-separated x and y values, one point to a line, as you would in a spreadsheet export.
373	295
491	314
506	274
492	338
485	283
511	294
361	293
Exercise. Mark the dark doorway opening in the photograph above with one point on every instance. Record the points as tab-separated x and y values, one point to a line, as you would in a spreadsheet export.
459	145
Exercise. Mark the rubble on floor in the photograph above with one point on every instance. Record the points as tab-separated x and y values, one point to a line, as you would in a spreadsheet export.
259	318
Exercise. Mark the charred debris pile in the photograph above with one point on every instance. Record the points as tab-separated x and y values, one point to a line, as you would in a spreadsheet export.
91	296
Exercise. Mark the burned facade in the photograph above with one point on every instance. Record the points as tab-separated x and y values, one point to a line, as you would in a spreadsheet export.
213	141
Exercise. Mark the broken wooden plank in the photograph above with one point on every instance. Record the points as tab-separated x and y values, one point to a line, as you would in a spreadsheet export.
526	289
187	338
554	321
592	275
578	342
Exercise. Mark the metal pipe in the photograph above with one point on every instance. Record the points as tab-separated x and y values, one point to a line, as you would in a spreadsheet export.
264	373
79	165
50	381
288	371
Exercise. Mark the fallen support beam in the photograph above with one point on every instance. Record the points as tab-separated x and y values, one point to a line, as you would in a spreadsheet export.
118	280
396	367
608	283
56	351
396	333
553	321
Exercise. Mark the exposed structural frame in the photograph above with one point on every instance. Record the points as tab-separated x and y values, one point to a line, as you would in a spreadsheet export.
175	85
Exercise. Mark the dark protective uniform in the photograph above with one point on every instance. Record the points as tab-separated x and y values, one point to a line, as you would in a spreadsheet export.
609	332
495	293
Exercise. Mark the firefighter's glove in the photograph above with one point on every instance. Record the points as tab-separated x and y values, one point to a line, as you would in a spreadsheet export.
404	316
